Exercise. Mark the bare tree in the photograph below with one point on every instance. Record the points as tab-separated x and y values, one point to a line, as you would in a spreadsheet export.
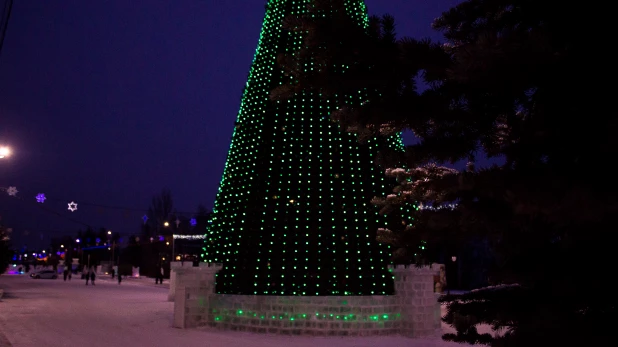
160	210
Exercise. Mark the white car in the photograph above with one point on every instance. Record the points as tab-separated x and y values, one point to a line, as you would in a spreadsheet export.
47	274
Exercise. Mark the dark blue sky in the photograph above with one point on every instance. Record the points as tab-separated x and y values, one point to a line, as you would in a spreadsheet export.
108	102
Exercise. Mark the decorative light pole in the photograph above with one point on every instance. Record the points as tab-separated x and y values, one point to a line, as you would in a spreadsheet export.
174	241
166	224
113	243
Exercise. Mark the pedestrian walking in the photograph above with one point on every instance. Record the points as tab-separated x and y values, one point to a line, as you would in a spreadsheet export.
92	277
66	274
87	275
119	278
113	273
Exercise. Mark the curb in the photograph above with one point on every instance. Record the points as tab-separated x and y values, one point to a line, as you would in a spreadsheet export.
137	282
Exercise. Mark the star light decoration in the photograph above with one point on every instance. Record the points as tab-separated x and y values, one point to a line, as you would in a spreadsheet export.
193	222
72	206
12	191
40	198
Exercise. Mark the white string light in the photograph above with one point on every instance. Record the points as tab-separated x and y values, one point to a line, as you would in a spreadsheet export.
421	207
189	237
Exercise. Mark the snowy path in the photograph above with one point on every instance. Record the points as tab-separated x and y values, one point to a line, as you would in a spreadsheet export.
54	313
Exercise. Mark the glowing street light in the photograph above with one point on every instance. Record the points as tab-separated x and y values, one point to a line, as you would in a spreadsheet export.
109	232
4	152
166	224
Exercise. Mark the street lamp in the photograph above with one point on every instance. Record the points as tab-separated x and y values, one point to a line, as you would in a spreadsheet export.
4	152
113	247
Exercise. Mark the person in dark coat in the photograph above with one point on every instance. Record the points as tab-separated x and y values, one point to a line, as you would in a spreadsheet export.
92	277
119	277
159	276
66	274
87	275
113	273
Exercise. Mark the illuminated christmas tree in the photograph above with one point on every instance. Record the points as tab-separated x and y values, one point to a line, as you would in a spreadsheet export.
293	215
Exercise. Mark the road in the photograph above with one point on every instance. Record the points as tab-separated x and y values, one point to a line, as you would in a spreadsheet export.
54	313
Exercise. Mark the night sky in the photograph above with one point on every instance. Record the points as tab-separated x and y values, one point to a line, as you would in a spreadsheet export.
108	102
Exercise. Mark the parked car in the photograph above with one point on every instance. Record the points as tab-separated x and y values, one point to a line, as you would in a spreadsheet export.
46	274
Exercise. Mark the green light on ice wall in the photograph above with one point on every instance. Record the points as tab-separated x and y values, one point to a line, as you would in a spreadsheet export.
222	314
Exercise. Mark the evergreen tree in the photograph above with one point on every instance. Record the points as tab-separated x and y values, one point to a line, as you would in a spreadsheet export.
292	215
5	251
159	212
132	254
507	84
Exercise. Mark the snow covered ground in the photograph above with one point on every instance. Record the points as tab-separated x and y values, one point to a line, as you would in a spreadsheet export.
54	313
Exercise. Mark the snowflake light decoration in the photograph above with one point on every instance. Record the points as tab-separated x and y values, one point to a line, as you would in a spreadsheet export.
12	191
193	222
72	206
40	198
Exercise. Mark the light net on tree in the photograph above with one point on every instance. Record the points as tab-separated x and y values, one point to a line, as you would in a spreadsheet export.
293	214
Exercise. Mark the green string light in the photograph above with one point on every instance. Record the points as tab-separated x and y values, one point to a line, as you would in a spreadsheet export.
293	213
